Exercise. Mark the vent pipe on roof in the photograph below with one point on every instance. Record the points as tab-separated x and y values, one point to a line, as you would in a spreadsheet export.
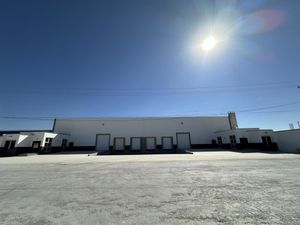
232	121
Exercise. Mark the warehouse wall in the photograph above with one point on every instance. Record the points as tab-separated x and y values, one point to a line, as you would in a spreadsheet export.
30	137
40	136
254	137
17	137
252	134
11	137
84	131
288	140
24	141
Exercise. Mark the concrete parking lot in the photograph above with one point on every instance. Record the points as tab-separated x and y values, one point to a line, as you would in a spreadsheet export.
199	188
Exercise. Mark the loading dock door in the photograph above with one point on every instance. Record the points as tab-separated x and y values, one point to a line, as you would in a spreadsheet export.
136	143
167	143
119	144
150	143
183	141
102	142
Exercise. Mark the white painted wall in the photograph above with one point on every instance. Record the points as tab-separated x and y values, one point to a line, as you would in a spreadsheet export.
83	131
253	134
30	137
50	135
288	140
10	137
256	136
41	136
25	139
57	139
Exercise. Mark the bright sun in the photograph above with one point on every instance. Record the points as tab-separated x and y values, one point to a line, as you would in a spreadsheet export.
209	43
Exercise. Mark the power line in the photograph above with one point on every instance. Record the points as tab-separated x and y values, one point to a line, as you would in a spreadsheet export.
152	91
279	111
194	112
268	107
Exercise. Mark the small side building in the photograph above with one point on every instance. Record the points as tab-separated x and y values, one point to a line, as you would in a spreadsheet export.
247	138
17	142
288	140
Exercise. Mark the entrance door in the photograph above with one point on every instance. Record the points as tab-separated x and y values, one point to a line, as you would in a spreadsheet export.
136	144
48	144
232	141
119	144
266	140
219	141
64	143
167	143
150	143
244	142
102	142
9	145
183	141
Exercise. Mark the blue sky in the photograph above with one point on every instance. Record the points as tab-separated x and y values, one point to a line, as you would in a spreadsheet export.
139	58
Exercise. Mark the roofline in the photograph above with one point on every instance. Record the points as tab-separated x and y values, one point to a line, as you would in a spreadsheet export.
138	118
291	130
21	131
251	129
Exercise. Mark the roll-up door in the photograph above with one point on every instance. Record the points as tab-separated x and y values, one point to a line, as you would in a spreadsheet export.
136	143
167	143
119	144
102	142
150	143
183	141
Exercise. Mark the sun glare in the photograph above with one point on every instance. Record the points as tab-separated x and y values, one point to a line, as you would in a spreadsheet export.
209	43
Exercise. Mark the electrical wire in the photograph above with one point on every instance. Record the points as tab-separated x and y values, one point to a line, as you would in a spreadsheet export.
152	91
195	112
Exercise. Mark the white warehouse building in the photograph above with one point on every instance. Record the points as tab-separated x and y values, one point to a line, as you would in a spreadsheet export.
147	135
141	134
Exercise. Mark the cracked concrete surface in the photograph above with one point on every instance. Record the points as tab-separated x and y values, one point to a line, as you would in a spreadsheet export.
203	188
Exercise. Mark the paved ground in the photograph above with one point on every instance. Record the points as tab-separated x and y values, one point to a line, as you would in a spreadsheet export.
203	188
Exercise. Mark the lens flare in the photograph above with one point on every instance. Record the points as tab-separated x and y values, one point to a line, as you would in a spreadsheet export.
263	21
209	43
227	28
